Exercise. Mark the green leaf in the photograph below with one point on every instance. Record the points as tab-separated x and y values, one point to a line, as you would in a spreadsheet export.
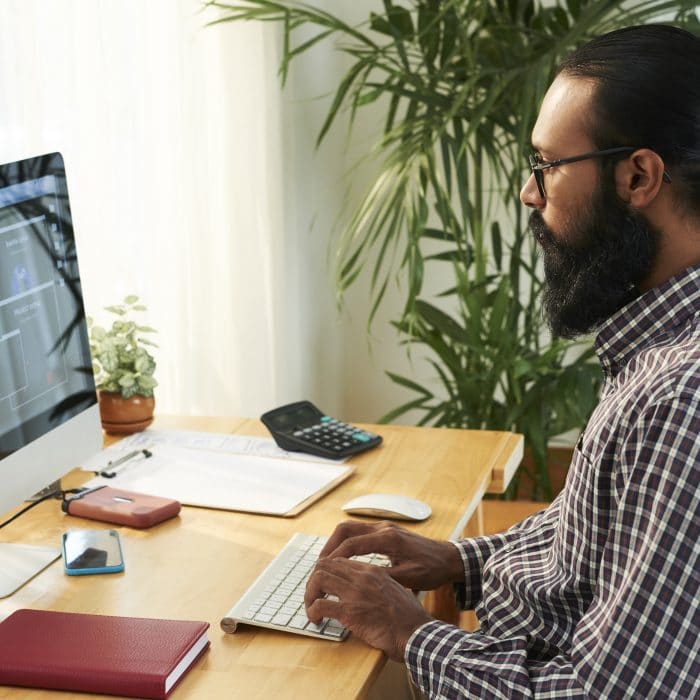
127	380
574	7
368	96
408	383
440	320
429	30
348	80
496	245
147	383
400	21
120	310
436	234
379	23
522	368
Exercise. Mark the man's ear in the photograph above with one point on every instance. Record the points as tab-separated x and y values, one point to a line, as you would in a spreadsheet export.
639	177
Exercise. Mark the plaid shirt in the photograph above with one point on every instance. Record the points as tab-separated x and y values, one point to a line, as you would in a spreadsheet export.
597	596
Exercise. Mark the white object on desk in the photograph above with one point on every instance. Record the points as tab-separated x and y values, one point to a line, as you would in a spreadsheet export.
388	505
24	563
225	480
217	442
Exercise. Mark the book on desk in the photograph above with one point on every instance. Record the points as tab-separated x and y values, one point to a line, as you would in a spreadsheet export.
132	656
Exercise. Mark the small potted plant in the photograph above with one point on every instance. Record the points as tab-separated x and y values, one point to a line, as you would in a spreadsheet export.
124	369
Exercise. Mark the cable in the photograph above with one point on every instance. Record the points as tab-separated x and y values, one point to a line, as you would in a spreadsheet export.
56	494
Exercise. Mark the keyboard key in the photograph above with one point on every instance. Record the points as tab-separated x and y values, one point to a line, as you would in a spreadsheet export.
334	629
298	622
313	627
282	619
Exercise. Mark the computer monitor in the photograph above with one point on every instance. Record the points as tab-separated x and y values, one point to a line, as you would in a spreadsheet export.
49	417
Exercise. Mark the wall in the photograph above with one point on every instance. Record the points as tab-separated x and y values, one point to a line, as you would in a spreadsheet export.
348	373
195	183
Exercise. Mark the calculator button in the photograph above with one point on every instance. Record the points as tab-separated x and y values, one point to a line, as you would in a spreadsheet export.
362	437
326	419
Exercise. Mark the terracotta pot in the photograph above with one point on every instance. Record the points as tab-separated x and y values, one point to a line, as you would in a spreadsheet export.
122	416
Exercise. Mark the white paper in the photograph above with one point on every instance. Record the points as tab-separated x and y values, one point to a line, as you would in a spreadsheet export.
218	442
213	479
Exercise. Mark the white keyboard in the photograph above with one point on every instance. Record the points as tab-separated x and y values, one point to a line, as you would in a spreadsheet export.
276	597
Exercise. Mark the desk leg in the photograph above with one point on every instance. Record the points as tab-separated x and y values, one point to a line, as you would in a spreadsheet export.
475	524
441	604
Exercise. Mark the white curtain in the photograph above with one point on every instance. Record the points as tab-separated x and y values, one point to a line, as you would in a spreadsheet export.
173	136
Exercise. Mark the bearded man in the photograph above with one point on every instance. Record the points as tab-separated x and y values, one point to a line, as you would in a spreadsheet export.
596	596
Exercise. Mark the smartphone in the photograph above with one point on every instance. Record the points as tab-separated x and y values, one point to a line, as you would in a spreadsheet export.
92	552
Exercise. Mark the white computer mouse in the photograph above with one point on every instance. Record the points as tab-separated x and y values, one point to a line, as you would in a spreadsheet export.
388	505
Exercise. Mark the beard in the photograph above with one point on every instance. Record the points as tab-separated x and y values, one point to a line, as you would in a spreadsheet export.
594	266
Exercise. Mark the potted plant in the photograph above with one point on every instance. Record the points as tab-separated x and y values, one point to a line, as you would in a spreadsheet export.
124	369
455	86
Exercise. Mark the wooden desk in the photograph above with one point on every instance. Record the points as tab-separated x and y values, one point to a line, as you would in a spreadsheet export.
195	566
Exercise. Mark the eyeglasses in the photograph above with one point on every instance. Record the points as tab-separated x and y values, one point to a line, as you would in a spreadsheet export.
538	166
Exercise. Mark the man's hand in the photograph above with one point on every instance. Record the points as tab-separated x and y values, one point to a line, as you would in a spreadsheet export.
416	562
369	603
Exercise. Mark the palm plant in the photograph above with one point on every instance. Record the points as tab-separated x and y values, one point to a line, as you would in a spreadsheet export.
459	83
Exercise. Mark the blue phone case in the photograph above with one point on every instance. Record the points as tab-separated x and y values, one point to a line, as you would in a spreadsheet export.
93	559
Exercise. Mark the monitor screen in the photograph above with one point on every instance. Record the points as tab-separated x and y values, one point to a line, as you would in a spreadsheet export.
49	421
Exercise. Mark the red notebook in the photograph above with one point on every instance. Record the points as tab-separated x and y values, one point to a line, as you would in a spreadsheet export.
133	656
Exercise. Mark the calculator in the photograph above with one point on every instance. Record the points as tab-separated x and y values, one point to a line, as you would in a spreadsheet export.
301	427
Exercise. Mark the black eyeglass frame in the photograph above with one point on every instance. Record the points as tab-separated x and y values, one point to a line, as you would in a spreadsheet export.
538	166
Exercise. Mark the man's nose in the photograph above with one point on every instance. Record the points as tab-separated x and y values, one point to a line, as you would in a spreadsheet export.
530	195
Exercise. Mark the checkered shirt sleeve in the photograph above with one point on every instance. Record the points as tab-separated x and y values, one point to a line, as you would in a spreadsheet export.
637	636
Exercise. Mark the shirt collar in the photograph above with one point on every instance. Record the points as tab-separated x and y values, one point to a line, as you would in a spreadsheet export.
653	313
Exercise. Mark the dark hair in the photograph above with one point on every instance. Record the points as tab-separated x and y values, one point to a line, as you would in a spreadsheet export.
648	94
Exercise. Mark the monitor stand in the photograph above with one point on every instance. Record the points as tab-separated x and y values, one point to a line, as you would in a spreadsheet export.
21	562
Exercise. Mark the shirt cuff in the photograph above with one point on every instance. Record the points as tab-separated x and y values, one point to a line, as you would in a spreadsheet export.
427	654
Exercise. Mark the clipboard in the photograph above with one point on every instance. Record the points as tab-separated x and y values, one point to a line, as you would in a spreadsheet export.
267	485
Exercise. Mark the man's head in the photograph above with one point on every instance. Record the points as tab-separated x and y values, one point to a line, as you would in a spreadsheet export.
614	223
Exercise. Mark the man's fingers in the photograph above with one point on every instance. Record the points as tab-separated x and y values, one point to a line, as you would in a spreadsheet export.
345	530
375	541
367	539
330	578
334	577
326	579
324	607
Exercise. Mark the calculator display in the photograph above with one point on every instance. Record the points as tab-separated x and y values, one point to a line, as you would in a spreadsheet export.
296	418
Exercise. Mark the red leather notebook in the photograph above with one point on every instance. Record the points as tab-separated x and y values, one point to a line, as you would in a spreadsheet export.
133	656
